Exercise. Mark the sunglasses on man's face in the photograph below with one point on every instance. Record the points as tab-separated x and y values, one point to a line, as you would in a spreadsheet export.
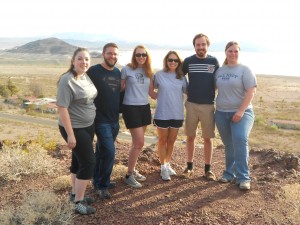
173	60
144	55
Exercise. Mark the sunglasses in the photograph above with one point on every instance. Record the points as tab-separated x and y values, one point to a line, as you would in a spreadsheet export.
144	55
173	60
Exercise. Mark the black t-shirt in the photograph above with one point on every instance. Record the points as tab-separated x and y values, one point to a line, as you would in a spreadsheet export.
201	73
108	84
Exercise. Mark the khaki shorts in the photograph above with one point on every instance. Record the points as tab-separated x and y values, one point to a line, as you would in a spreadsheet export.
203	113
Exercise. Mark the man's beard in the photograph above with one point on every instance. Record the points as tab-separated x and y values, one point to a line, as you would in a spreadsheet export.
109	64
201	54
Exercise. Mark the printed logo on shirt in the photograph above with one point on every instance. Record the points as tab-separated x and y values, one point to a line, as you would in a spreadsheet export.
140	78
201	68
226	76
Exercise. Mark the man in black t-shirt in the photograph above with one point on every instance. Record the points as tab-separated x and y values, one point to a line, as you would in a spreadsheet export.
200	68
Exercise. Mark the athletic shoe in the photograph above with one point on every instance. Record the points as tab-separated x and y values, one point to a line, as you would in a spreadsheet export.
245	185
138	176
188	173
224	180
104	194
132	182
87	199
164	173
170	170
210	176
83	208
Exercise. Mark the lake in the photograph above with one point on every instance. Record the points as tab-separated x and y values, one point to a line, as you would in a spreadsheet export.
268	63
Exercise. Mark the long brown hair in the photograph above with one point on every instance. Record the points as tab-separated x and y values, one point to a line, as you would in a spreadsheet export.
71	68
146	66
178	71
229	44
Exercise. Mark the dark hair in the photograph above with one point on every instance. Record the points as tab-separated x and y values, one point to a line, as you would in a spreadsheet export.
200	36
108	45
147	65
71	68
229	44
178	71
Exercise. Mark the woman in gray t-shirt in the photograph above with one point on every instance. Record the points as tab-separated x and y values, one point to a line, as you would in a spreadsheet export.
75	101
136	111
234	114
168	118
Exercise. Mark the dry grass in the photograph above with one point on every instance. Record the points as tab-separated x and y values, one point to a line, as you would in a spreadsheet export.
40	207
17	161
62	183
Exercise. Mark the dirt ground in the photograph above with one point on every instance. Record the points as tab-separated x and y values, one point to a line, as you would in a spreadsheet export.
274	197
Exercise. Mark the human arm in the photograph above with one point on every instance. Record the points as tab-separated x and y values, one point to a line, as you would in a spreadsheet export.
123	84
66	121
245	103
152	93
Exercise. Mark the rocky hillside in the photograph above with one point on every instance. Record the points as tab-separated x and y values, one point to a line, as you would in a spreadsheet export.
45	46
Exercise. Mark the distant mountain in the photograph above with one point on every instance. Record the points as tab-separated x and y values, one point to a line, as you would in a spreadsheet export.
45	46
95	42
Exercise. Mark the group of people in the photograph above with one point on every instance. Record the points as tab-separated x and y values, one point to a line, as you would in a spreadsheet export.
88	101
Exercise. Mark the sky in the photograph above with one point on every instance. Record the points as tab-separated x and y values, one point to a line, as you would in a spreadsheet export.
271	24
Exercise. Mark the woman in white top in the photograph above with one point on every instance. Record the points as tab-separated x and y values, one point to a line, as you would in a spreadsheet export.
168	118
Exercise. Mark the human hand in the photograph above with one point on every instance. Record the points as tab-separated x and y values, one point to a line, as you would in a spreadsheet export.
71	141
237	116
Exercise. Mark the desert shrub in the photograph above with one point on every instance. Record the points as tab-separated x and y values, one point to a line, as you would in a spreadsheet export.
39	207
273	127
259	120
17	161
61	183
119	171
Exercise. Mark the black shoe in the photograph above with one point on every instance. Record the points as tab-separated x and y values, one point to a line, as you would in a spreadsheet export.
89	200
104	194
112	185
83	208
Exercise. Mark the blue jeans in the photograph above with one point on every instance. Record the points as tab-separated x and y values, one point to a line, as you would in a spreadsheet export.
105	153
235	138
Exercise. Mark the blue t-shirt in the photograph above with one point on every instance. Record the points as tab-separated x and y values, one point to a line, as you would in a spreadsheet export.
201	89
170	97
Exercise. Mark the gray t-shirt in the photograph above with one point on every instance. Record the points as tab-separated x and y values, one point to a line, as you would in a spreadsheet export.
78	96
232	83
137	86
170	96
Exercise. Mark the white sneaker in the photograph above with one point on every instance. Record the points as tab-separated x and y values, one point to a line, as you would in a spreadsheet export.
132	182
245	185
170	170
165	173
138	176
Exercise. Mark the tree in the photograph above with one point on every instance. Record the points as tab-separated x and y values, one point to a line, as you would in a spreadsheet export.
4	91
37	90
12	88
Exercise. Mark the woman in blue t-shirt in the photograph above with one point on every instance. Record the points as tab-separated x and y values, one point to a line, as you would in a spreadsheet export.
168	118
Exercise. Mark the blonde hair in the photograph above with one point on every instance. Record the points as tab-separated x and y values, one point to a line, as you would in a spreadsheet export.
146	66
229	44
